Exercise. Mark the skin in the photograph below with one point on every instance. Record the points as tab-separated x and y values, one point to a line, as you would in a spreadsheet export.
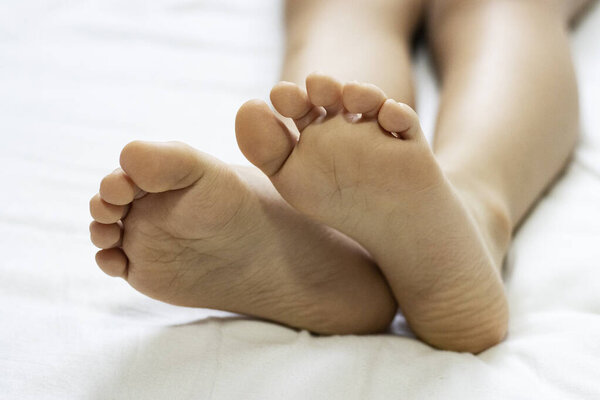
321	280
182	227
453	213
389	194
177	232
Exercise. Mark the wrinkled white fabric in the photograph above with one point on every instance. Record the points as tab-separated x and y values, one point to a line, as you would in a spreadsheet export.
79	79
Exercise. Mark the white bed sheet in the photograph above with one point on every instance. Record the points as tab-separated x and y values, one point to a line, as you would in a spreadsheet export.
79	79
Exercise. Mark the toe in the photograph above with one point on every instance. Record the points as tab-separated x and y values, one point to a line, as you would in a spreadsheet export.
325	91
113	262
106	213
159	167
291	101
399	118
262	137
362	98
106	236
117	188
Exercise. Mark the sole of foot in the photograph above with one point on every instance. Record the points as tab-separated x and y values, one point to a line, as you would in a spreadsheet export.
182	227
362	166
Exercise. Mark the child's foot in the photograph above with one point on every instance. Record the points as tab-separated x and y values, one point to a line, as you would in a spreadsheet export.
187	229
388	192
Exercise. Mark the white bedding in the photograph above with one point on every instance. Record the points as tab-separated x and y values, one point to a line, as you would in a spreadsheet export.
79	79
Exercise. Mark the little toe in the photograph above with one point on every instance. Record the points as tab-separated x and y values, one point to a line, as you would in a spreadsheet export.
106	213
325	91
113	262
117	188
291	101
159	167
262	137
363	98
399	118
106	236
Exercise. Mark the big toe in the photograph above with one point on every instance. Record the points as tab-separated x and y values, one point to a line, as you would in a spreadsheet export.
159	167
262	137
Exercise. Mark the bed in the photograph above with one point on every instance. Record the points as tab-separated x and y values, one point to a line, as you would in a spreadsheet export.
79	79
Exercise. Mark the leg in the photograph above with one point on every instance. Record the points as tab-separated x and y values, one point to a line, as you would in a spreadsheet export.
508	118
364	40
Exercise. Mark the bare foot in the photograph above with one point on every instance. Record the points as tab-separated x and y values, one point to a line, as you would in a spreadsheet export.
387	192
184	228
